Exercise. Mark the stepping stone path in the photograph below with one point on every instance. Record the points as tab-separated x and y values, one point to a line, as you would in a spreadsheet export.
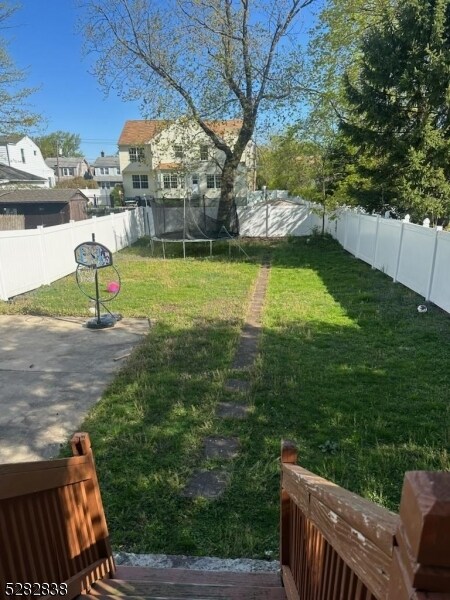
221	447
212	484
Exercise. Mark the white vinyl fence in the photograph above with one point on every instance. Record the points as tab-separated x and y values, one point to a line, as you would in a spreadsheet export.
277	220
30	258
417	256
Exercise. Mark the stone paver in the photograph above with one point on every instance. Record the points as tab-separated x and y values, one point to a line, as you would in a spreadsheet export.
51	372
237	385
221	447
206	484
232	410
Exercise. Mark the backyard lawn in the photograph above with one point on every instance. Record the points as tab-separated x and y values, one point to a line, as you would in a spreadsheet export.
348	369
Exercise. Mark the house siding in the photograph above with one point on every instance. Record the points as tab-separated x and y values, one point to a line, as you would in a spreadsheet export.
160	151
11	154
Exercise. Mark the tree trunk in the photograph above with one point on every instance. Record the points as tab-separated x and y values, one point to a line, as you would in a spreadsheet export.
227	190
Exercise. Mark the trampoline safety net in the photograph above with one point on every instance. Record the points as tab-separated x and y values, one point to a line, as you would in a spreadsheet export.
185	221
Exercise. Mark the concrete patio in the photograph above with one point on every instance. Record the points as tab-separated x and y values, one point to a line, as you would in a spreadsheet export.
52	370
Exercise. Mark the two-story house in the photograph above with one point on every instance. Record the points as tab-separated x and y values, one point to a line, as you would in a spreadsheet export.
176	159
107	174
20	152
68	167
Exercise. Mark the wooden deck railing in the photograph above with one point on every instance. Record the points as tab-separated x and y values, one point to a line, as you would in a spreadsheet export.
337	546
52	524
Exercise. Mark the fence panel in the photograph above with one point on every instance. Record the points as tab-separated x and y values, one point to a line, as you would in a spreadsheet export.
20	262
352	232
34	257
388	246
440	288
416	257
367	238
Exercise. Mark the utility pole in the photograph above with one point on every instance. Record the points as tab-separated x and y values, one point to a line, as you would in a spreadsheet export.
57	160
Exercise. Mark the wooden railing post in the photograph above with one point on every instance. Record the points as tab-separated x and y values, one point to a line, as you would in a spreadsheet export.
421	560
288	456
81	446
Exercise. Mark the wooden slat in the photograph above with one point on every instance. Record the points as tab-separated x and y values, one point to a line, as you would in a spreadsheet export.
192	576
289	584
83	581
42	465
359	553
148	589
19	484
374	522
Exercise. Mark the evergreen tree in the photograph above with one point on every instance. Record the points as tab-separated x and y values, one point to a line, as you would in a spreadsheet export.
400	101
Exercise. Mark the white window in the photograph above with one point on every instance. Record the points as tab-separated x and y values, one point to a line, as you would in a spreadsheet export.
178	150
172	181
104	171
118	171
140	181
213	181
68	171
203	152
136	154
195	179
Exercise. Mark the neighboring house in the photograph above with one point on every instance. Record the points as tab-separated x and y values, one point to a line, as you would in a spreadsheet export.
11	178
68	167
174	159
20	152
43	206
107	174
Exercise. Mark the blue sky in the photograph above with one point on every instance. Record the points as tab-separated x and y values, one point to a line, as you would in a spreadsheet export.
44	40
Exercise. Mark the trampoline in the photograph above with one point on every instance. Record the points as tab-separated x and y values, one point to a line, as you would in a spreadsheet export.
192	222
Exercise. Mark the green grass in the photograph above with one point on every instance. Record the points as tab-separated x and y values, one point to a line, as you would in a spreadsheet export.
348	369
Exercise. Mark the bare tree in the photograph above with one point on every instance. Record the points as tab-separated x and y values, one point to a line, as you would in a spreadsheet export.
14	113
207	59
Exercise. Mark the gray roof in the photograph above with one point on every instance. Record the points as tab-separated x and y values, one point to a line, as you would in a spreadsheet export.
106	161
11	139
65	161
12	174
41	195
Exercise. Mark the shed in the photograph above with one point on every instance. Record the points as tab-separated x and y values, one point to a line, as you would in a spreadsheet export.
45	207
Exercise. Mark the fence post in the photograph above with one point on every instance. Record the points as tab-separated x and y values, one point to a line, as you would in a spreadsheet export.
397	266
267	219
375	250
288	456
421	559
45	278
3	294
346	228
358	243
433	264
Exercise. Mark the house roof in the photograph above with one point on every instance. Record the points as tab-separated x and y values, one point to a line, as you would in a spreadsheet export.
41	195
12	174
64	161
11	139
106	161
141	132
